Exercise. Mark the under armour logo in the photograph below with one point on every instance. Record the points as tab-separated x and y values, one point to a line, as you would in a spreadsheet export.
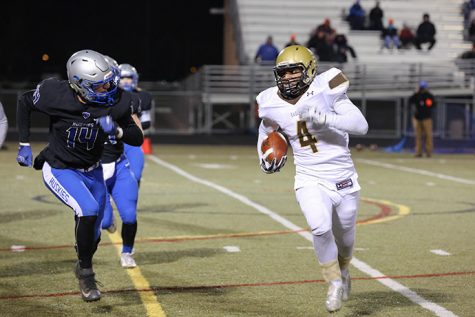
310	93
86	115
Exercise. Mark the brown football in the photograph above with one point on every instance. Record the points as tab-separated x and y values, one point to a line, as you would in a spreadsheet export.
274	146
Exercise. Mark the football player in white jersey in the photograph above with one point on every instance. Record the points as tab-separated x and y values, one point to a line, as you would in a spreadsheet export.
316	116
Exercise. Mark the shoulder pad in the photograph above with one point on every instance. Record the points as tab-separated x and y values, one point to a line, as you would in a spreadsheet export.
335	84
48	92
265	96
335	78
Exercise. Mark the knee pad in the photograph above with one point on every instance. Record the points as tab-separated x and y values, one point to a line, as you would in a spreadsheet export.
129	216
321	231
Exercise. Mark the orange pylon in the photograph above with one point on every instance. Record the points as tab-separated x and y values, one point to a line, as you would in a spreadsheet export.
147	146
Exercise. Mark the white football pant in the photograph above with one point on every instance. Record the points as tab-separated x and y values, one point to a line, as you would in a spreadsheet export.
332	220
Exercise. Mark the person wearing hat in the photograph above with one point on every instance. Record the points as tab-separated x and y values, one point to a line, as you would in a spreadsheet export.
422	103
292	41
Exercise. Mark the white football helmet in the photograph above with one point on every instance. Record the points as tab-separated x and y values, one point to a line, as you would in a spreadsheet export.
87	71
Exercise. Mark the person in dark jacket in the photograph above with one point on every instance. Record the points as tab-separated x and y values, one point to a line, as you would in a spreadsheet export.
425	33
376	18
423	103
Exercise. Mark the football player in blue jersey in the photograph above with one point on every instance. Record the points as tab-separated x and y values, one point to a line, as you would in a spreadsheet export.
129	78
122	186
84	111
121	171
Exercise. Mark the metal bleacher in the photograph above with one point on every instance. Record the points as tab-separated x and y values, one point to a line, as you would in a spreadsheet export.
381	80
280	18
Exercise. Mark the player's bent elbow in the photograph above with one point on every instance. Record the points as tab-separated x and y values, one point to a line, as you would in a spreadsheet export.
364	128
133	135
360	130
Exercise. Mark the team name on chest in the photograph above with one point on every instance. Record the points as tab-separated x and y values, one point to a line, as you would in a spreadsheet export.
84	124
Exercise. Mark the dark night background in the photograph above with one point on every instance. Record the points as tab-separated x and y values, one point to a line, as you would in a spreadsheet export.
162	39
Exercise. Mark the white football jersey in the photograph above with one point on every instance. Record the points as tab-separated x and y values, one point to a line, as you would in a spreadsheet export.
321	154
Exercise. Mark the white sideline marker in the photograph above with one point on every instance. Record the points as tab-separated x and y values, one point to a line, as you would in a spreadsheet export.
440	252
232	248
362	266
215	166
18	248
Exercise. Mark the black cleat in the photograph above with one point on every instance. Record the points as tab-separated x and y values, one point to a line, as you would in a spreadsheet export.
87	284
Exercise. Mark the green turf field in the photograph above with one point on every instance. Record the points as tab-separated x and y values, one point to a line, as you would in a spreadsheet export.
217	237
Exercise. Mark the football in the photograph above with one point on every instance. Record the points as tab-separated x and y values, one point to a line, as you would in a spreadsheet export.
275	146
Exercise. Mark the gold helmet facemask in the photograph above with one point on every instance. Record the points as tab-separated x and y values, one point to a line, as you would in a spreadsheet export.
289	59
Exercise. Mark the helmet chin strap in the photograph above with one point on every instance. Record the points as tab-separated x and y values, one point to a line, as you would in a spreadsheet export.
292	92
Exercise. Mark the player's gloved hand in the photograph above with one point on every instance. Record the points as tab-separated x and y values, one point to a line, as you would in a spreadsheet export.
274	166
107	124
25	156
310	114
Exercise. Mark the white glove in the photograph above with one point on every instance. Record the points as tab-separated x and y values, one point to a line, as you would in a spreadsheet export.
310	114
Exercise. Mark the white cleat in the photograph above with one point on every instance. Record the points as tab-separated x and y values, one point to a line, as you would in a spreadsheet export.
346	280
127	261
334	297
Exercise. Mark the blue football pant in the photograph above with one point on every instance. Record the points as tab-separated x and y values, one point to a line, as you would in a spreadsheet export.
136	158
84	192
123	188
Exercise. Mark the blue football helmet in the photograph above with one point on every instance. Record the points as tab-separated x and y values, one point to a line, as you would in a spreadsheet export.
87	72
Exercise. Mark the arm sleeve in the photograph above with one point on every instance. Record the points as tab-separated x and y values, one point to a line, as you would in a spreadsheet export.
347	117
148	104
24	109
132	134
145	119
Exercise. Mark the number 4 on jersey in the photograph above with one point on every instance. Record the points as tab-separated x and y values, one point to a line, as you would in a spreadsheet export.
305	138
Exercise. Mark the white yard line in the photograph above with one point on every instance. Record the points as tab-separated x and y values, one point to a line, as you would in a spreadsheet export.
417	171
365	268
440	252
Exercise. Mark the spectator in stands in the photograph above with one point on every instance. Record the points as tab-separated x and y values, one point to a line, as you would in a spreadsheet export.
3	127
471	32
425	33
469	54
326	27
376	18
292	41
322	46
406	36
468	11
422	102
356	16
466	63
267	52
342	48
390	36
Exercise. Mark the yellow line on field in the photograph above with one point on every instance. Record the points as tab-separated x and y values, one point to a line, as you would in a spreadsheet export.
150	301
403	211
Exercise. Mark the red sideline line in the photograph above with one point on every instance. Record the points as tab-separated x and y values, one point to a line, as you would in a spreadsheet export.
384	212
205	287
